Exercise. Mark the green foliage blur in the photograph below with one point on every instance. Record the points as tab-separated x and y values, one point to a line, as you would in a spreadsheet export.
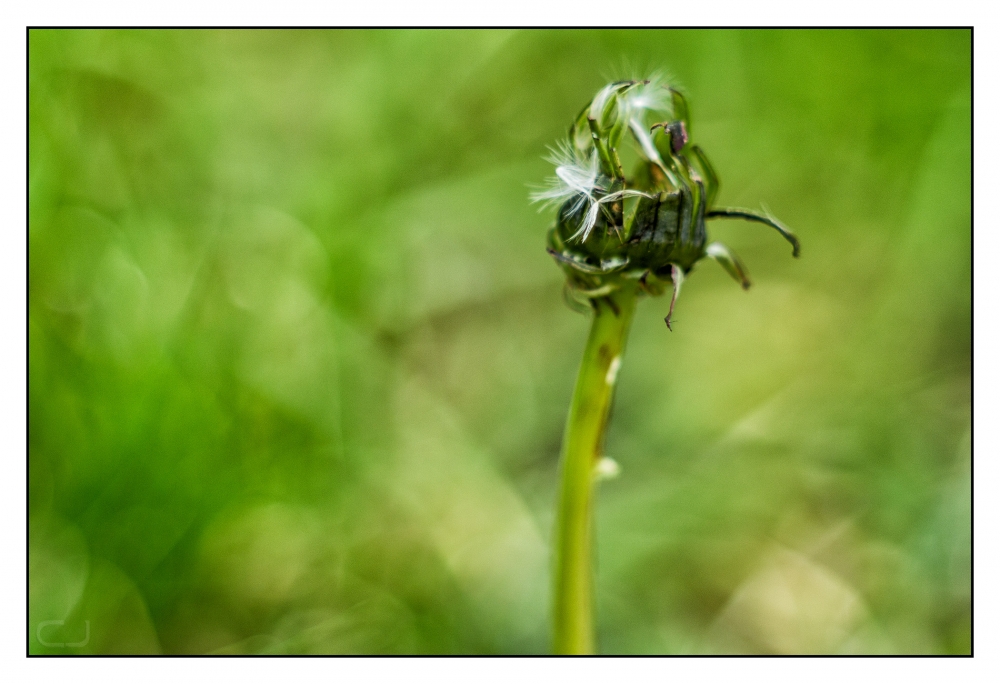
299	363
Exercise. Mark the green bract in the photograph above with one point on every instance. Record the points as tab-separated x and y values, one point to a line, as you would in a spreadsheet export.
648	227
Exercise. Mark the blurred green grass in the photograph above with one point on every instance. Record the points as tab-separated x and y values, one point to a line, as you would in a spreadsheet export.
299	364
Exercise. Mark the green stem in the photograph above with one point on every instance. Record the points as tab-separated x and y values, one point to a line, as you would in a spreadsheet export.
573	625
606	165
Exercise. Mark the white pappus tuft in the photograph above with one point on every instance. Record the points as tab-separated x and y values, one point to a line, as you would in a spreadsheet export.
652	95
579	179
576	176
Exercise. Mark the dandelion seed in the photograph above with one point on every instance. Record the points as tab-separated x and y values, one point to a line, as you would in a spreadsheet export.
576	178
579	179
652	95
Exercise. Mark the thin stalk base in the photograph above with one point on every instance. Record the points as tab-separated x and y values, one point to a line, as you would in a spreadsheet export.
583	442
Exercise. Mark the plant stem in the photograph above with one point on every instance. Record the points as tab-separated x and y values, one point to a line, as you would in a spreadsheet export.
583	441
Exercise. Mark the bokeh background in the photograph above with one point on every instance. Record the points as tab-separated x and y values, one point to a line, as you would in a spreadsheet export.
299	364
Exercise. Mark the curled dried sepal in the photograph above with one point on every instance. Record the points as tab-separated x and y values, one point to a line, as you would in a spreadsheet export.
730	262
677	276
766	220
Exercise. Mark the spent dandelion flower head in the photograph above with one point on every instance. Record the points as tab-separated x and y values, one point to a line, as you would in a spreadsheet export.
645	224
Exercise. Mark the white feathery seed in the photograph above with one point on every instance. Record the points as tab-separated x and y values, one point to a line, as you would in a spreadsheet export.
579	179
652	95
575	177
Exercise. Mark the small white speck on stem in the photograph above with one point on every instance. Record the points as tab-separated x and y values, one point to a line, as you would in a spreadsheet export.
612	375
606	468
